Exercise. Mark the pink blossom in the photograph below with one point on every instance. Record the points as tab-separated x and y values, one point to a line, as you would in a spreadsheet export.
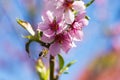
61	26
51	25
51	5
68	6
76	27
62	41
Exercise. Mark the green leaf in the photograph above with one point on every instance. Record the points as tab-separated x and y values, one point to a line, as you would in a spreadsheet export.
36	37
61	61
42	71
89	3
66	73
65	68
27	46
26	26
29	37
87	17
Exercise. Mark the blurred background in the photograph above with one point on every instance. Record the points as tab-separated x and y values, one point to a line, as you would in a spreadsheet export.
98	55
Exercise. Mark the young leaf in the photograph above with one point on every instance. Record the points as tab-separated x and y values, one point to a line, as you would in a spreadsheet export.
89	3
66	73
87	17
27	46
29	37
67	66
42	71
26	26
61	61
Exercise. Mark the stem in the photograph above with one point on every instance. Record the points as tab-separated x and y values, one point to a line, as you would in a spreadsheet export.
52	64
57	77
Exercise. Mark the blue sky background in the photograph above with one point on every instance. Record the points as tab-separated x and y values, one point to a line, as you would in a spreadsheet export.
14	61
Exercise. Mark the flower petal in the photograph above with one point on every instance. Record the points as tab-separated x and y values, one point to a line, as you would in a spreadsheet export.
84	22
77	25
50	16
69	16
47	39
49	33
80	16
54	49
67	43
78	35
78	5
62	27
66	46
45	18
43	26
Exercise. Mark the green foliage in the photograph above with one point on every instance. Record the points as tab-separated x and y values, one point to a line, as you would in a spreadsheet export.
31	39
65	68
87	17
61	61
27	46
66	73
27	26
42	71
89	3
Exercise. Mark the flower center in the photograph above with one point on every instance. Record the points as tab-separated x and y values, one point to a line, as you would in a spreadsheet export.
59	38
68	4
54	26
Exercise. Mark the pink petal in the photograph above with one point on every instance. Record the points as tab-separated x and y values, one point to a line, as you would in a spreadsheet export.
48	6
43	26
47	39
78	35
78	5
54	49
84	22
77	25
66	45
49	33
62	27
80	16
69	16
50	16
45	18
58	13
59	3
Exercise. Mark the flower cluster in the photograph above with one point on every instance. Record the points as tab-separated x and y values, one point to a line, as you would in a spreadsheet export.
62	23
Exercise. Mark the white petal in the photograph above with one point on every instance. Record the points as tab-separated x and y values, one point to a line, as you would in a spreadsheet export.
79	5
78	35
69	16
45	18
50	16
84	22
